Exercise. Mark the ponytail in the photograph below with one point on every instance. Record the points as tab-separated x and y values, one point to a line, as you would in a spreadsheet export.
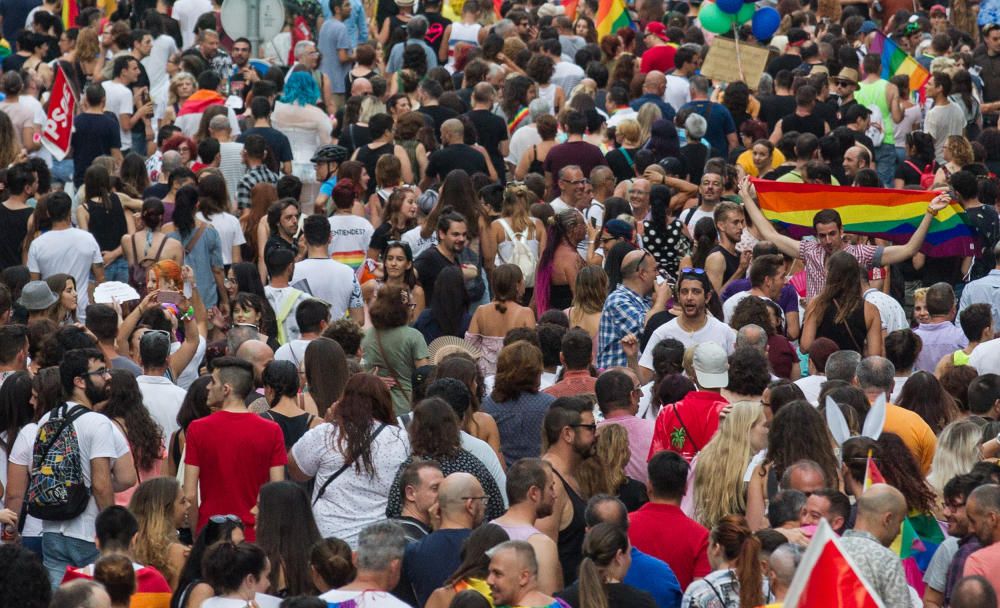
592	593
741	548
600	547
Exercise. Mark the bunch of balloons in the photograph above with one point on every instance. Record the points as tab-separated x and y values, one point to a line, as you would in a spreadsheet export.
719	17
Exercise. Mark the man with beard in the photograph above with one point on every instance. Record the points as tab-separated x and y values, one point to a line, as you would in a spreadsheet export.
710	192
724	262
232	451
945	569
531	489
570	433
513	577
85	380
428	562
452	232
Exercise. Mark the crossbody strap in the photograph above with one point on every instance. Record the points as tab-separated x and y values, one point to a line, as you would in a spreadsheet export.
194	239
687	433
347	464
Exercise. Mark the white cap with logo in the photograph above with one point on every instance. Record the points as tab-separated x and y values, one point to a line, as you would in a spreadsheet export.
711	365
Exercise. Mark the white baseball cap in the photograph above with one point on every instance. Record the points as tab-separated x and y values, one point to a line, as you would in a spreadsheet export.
711	365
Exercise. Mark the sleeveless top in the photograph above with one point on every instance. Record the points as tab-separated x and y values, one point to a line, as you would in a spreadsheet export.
873	94
519	532
15	229
369	156
410	145
571	538
560	297
849	335
732	261
536	166
292	427
462	32
107	223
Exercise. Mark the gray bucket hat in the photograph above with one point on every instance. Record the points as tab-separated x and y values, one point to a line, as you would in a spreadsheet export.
36	295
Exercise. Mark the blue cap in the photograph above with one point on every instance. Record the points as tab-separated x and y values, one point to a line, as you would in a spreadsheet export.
868	27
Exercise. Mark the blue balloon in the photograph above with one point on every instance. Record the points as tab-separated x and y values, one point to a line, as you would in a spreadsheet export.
730	6
765	23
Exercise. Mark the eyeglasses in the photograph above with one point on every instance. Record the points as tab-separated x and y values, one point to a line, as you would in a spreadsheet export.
97	372
485	499
221	519
575	182
592	427
697	271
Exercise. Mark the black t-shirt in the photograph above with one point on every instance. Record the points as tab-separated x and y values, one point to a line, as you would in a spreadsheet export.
774	107
276	141
438	115
812	123
275	242
456	156
864	140
619	595
429	265
13	63
783	62
984	219
694	156
436	25
354	136
156	191
618	160
827	110
909	172
777	172
491	130
93	135
380	238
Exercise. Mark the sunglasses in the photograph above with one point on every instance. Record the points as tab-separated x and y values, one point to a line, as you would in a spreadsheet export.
221	519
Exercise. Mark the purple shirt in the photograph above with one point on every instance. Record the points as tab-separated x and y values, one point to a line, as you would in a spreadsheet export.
788	299
939	339
640	437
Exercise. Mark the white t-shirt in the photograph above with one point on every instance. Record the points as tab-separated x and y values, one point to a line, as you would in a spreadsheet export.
418	243
276	298
156	67
354	500
119	101
186	12
986	357
729	306
893	315
294	351
21	453
163	399
691	218
97	437
811	386
363	599
351	237
714	330
521	141
330	281
190	373
230	233
678	91
72	251
262	600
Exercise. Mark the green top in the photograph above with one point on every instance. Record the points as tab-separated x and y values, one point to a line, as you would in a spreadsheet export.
401	347
873	94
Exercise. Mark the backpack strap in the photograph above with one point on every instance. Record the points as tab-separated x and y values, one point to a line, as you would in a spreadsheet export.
194	239
510	231
286	309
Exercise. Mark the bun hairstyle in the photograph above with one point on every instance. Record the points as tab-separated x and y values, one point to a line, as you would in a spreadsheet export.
330	559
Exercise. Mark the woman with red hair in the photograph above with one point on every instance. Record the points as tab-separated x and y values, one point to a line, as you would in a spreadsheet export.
184	146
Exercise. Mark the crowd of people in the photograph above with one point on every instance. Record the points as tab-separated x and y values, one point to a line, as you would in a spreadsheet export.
456	304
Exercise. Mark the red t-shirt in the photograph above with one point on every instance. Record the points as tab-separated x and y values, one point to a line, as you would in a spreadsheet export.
664	532
234	453
151	589
687	426
658	58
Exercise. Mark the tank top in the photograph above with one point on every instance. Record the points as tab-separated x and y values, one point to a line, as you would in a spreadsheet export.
536	166
14	227
292	427
369	157
571	538
519	532
462	32
107	223
873	94
410	145
803	124
732	261
850	334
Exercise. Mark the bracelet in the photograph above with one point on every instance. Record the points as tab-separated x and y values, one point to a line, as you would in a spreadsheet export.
188	314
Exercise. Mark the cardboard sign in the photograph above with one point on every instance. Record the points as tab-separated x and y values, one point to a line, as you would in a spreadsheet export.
725	64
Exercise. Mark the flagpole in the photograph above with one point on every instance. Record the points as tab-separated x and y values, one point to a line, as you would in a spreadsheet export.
736	41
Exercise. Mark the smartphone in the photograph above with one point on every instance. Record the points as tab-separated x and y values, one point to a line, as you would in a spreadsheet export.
144	95
593	222
168	297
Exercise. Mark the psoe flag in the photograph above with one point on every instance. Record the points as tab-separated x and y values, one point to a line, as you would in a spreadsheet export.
828	578
59	122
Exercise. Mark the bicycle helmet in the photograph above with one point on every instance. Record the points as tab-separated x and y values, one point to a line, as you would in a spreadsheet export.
329	154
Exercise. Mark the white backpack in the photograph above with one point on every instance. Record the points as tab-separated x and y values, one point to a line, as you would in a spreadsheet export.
522	256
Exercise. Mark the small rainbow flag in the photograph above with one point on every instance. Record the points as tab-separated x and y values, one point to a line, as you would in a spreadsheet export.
896	61
881	212
872	474
611	15
69	12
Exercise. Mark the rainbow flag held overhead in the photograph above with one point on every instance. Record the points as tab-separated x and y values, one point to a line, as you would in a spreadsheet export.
880	212
896	61
569	6
611	16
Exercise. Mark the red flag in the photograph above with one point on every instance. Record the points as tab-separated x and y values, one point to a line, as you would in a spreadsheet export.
59	124
570	7
872	474
827	577
300	32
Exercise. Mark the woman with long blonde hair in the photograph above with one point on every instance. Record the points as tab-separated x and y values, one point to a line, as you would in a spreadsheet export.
588	300
957	452
160	506
648	114
725	466
957	153
604	472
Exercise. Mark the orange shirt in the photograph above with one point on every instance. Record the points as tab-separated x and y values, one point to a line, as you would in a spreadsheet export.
914	432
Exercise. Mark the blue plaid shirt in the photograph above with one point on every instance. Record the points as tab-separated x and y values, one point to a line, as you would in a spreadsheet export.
624	312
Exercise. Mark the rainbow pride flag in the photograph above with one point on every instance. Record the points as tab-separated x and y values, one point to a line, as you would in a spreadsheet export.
896	61
69	12
880	212
611	16
570	7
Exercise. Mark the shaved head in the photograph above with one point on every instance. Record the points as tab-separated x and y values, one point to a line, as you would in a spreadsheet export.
655	81
254	351
630	263
361	86
881	498
453	129
454	489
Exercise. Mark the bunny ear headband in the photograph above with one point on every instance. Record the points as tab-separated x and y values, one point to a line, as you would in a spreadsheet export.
872	429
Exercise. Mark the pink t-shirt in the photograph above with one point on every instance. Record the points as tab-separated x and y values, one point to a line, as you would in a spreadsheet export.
985	562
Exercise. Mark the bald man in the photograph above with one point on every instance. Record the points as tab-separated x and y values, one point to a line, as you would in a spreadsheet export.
653	88
856	158
881	511
626	310
258	354
361	87
454	154
973	592
428	562
781	569
513	577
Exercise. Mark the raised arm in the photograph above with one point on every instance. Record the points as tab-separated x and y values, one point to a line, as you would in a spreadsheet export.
786	245
895	254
